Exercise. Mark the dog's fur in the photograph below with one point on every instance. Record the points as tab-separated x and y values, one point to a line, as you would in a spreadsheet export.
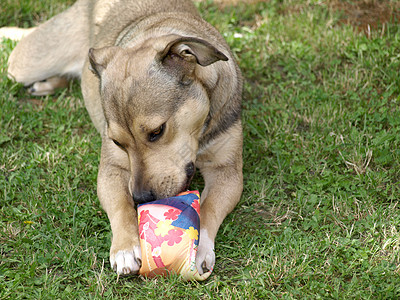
162	88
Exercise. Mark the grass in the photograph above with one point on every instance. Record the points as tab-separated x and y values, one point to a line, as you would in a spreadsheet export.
319	216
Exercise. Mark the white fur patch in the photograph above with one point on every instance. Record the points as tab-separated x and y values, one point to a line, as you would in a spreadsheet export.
14	33
127	262
205	258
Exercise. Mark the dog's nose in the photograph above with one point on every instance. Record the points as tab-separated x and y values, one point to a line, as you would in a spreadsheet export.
143	197
190	169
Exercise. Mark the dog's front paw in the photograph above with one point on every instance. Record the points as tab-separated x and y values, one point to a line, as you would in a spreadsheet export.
205	258
126	262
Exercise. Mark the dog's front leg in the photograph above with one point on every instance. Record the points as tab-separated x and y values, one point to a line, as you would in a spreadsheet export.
113	192
222	192
221	167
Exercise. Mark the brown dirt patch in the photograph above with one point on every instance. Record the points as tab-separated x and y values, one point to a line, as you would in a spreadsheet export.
223	3
364	15
367	15
235	2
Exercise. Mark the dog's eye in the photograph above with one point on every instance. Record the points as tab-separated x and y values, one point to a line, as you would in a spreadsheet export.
118	144
156	134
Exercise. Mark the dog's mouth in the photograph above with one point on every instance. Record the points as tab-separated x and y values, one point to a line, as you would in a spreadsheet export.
186	186
190	170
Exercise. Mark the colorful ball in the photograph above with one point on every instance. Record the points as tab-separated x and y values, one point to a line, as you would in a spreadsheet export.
169	236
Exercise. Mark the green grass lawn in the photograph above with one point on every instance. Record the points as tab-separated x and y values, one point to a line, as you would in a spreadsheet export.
320	212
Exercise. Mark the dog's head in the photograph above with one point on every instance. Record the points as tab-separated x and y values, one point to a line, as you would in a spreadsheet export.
155	101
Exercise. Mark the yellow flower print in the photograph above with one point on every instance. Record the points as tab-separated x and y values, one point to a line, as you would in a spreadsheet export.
192	233
163	227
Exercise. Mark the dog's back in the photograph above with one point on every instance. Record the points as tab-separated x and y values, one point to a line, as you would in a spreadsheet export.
69	35
109	18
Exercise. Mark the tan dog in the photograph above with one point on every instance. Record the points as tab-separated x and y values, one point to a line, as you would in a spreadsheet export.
163	90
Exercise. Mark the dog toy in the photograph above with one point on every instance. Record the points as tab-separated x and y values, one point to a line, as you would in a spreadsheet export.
169	236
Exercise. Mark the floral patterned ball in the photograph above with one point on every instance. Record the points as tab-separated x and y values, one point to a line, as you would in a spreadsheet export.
169	236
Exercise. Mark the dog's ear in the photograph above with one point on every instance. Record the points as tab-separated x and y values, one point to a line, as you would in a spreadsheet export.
182	54
99	59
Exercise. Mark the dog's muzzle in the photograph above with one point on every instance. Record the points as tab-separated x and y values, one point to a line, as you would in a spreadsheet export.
143	197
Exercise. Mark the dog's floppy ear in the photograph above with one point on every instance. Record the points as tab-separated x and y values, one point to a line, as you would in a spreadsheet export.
99	59
182	54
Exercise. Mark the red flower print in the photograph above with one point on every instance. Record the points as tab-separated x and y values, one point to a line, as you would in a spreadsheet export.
196	206
144	216
172	214
173	237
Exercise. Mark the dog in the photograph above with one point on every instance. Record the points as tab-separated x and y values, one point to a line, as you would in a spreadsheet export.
164	91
